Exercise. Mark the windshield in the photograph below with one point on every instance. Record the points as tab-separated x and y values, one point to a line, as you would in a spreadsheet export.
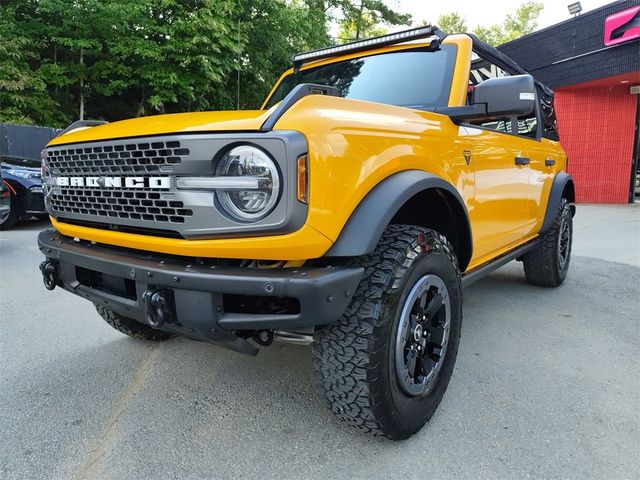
416	78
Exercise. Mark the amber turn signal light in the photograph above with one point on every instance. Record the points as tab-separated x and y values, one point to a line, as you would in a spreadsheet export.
303	178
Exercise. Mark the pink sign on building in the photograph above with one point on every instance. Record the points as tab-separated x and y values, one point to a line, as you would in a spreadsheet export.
622	26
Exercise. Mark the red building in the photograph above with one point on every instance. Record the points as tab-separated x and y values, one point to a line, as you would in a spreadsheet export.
592	61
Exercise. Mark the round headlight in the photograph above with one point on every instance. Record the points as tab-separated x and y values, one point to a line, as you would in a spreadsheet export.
253	197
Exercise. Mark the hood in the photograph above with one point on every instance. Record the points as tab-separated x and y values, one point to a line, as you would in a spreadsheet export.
223	121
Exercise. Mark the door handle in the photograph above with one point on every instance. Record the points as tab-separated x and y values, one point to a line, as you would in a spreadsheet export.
523	160
549	163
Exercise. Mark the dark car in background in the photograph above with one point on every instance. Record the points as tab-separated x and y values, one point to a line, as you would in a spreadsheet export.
23	180
5	200
22	195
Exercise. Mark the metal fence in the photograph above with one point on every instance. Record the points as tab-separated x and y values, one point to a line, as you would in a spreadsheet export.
24	142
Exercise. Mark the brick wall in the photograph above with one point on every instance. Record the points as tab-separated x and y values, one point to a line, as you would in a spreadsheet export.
597	132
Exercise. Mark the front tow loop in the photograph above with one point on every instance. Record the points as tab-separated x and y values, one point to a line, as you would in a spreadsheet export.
158	307
49	274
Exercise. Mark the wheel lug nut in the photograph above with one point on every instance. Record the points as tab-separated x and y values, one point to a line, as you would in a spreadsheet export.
424	317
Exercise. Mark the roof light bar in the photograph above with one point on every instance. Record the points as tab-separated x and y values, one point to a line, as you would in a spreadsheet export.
393	38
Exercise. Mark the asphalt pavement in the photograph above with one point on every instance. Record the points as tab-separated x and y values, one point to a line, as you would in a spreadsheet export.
547	385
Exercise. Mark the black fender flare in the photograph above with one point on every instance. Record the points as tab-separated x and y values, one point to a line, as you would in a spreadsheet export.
365	226
562	182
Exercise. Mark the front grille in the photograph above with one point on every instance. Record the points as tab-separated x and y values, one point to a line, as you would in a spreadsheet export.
119	158
124	204
128	185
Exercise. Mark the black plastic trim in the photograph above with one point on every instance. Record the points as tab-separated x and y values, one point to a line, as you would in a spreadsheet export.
484	270
364	228
323	292
560	182
464	113
373	42
298	92
82	123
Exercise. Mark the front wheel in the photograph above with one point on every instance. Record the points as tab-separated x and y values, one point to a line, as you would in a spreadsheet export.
385	365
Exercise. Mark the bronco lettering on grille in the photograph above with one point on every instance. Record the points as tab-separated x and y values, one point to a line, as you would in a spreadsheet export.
114	182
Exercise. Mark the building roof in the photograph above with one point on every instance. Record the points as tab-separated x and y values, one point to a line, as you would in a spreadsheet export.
573	51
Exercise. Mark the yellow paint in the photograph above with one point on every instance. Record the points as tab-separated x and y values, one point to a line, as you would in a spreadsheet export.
235	121
460	80
353	146
302	244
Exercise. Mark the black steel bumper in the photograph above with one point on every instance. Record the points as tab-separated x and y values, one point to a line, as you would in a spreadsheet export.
196	291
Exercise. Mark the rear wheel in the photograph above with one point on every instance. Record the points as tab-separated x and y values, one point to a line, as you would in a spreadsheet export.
130	327
385	365
547	265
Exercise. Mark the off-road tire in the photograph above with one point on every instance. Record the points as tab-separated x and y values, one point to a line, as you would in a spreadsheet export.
354	357
13	217
130	327
542	266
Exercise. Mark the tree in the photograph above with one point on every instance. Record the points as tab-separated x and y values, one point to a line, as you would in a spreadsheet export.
523	22
271	33
23	92
363	18
118	59
452	23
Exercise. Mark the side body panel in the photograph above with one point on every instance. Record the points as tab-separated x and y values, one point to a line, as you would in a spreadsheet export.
355	145
510	200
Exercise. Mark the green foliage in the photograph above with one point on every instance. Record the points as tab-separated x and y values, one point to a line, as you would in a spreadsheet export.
126	58
365	18
523	22
23	93
452	23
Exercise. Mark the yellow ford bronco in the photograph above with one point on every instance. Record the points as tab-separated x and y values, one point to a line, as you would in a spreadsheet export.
378	179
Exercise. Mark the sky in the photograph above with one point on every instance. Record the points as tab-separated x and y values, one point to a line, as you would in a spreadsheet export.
489	12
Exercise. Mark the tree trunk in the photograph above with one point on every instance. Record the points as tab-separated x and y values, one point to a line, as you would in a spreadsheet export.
81	86
359	20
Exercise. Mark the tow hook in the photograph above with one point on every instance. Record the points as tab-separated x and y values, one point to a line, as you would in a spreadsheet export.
49	274
157	307
263	337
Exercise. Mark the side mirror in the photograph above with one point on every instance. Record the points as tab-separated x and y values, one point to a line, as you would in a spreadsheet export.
496	97
506	96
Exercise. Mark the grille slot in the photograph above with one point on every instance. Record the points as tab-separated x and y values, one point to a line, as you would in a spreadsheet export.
126	158
117	203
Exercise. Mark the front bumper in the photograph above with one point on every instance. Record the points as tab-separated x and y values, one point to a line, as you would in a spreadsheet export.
118	279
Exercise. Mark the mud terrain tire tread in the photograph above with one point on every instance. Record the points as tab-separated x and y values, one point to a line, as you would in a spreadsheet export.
348	353
541	266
